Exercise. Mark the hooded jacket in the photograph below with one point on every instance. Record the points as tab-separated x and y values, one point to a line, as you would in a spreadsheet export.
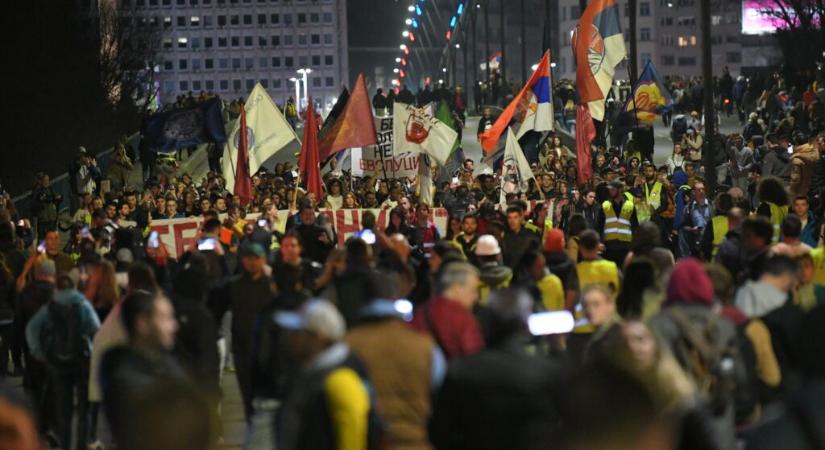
88	321
777	163
802	166
756	299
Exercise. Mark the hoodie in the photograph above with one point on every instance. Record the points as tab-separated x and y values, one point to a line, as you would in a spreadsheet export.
88	321
777	163
757	299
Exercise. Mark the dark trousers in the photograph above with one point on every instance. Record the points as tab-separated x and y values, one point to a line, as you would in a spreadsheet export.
71	399
616	251
243	371
6	336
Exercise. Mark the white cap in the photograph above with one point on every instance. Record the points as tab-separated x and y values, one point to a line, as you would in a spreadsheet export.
316	316
487	246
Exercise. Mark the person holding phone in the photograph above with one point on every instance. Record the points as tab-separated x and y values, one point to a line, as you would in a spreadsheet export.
49	248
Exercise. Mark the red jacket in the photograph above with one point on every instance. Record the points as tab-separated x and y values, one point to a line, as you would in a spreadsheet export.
453	327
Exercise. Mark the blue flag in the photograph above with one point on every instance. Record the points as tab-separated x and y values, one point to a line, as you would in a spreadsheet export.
649	97
185	127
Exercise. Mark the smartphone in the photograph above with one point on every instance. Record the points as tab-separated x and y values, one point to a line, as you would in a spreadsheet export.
21	223
367	236
790	149
41	248
550	322
207	244
84	233
262	223
455	180
153	241
404	307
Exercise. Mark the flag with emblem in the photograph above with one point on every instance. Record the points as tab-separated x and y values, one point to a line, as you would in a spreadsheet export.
649	97
267	132
416	130
598	47
532	108
515	170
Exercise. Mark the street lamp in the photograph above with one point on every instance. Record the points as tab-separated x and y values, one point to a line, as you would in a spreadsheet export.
297	82
408	22
402	46
398	60
405	33
304	72
411	8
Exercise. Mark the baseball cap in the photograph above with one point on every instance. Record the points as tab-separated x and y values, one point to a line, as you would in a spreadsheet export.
487	246
252	249
317	316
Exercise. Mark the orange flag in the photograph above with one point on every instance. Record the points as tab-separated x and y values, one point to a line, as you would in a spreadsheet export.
355	127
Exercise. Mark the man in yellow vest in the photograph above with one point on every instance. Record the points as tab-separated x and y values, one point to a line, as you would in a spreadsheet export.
718	227
654	196
774	204
617	221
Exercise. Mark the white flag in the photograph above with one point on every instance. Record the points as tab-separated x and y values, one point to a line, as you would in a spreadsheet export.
267	133
515	170
416	130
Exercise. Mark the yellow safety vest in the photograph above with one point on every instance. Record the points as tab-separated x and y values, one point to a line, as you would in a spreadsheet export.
653	199
818	255
778	214
617	228
599	271
720	229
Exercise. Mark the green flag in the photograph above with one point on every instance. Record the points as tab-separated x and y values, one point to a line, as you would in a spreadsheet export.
445	116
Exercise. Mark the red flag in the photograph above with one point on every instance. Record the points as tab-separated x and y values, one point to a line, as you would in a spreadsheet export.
308	162
585	132
355	127
243	182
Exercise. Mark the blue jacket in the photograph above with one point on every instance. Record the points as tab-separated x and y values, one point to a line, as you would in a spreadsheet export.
809	234
88	321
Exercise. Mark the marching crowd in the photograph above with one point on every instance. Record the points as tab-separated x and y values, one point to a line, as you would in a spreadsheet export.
697	316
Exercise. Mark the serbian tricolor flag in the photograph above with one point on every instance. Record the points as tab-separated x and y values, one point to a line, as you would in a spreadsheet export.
532	108
598	47
649	97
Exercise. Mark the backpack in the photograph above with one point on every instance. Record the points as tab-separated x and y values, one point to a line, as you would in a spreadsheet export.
64	345
711	366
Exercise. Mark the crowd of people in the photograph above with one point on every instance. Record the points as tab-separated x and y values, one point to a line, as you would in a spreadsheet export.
697	316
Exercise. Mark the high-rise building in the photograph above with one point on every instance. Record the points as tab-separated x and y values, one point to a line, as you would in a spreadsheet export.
669	34
227	46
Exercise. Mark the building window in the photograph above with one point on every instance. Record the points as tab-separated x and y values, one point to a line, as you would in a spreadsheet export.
224	85
181	2
288	39
234	20
686	21
181	21
667	60
262	41
250	84
262	62
327	17
303	61
686	41
328	60
183	64
247	41
316	60
315	39
265	84
574	11
302	18
287	19
276	84
236	41
274	19
221	42
261	19
250	63
734	57
207	21
236	63
236	85
731	39
644	34
169	86
687	61
276	61
276	41
168	66
328	39
314	18
184	85
196	85
210	85
167	3
182	42
196	64
208	63
167	43
221	21
330	81
223	63
645	57
316	82
302	39
247	19
288	62
667	21
207	42
196	42
644	9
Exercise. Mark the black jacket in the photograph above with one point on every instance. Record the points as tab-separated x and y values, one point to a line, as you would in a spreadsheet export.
499	398
515	245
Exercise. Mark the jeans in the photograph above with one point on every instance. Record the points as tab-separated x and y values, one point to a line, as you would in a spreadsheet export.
71	399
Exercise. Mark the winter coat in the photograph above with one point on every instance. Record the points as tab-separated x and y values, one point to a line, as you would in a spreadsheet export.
802	167
453	327
777	163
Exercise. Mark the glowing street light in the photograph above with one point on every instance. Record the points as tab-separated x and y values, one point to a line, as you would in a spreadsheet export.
444	69
304	72
395	70
408	22
457	45
411	8
397	59
405	33
403	46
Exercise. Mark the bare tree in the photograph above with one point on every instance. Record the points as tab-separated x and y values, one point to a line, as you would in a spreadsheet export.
801	36
129	52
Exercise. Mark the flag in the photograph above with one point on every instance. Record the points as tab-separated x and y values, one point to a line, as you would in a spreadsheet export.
532	107
416	130
355	127
334	113
185	127
446	117
267	133
425	180
602	48
309	163
515	172
243	181
649	96
585	132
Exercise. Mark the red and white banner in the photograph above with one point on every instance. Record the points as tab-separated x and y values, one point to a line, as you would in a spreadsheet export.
179	235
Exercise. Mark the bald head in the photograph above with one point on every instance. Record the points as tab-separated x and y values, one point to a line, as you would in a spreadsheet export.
735	217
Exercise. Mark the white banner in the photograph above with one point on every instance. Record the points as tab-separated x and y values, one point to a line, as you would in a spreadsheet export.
380	160
180	235
416	130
